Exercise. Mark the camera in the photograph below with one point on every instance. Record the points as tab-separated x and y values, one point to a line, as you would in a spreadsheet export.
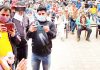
39	27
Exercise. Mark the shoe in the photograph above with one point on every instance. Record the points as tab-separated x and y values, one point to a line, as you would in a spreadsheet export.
62	39
99	32
72	32
87	39
78	39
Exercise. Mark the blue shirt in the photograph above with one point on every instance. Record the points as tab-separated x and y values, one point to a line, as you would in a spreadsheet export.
48	7
98	7
78	5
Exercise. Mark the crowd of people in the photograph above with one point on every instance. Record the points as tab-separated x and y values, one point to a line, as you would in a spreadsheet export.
41	21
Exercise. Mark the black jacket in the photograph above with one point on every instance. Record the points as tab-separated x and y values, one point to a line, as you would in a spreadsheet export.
43	50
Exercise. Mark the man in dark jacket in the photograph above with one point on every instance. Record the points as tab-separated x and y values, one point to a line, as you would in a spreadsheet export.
42	32
21	23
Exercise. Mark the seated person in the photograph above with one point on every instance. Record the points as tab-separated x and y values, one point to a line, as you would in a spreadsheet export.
83	23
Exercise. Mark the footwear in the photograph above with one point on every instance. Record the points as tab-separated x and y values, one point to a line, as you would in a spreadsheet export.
62	39
72	32
99	32
78	39
87	39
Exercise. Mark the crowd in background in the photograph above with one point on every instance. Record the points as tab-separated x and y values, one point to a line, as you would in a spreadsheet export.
66	15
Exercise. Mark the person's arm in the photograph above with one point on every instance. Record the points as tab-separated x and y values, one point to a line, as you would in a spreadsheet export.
15	37
27	24
52	32
88	23
30	34
31	31
4	64
22	65
78	21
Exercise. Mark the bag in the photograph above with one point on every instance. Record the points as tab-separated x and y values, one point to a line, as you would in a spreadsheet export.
41	37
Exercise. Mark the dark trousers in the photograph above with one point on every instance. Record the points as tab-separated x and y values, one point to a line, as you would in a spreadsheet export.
84	28
21	53
20	50
99	28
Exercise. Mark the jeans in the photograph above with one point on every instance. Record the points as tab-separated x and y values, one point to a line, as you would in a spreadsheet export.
82	28
36	60
72	24
93	17
98	21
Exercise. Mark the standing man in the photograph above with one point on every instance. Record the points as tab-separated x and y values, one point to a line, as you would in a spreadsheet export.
7	34
21	23
42	32
73	16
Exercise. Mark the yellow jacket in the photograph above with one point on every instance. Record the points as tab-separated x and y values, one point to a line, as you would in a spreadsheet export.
5	46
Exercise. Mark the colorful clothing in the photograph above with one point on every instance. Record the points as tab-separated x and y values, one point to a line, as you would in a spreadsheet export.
88	22
5	46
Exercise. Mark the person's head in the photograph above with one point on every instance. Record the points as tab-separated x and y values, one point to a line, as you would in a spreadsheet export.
50	2
30	5
83	18
73	5
54	5
94	6
61	0
20	7
79	1
29	12
12	9
42	13
4	13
